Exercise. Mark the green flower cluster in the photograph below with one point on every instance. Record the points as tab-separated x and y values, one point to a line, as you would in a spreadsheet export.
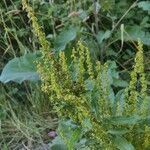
138	86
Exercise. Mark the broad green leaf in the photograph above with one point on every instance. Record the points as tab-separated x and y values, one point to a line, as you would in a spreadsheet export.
145	22
122	144
74	138
120	83
58	144
117	131
70	133
112	70
145	5
20	69
135	32
111	52
89	85
121	120
111	96
103	36
119	101
64	38
81	145
120	95
87	126
58	147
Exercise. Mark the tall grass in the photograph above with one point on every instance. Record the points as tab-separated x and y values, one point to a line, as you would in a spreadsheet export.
25	111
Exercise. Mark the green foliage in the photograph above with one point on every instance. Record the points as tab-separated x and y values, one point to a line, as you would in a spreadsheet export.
58	144
91	96
93	99
123	144
83	90
64	38
145	5
103	36
105	102
20	69
23	116
136	32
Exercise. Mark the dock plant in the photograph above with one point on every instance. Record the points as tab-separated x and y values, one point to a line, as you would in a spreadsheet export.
81	90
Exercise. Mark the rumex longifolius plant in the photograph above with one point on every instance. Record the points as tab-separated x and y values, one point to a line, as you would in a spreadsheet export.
82	92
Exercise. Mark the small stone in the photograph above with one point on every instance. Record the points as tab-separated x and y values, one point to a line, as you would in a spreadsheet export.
52	134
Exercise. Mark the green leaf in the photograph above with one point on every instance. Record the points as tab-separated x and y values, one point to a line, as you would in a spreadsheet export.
58	144
120	95
121	120
20	69
58	147
81	145
111	52
87	126
103	36
120	83
64	38
122	144
117	131
70	133
145	5
120	99
112	69
74	138
89	85
135	33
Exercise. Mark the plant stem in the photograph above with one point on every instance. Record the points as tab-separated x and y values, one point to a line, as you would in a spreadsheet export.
96	16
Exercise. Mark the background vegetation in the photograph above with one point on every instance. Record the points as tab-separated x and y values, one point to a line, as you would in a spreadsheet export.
110	29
